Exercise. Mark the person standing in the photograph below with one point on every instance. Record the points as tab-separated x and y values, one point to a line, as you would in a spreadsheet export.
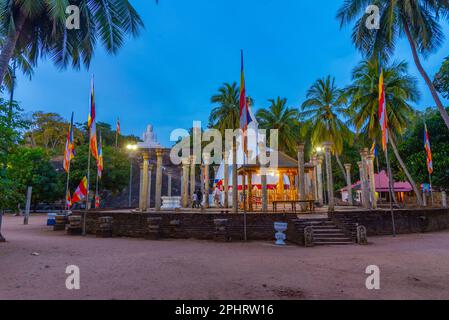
199	195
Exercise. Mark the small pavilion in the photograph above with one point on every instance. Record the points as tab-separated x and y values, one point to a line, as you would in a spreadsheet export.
286	171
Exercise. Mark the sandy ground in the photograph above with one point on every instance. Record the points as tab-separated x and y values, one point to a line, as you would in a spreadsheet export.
412	267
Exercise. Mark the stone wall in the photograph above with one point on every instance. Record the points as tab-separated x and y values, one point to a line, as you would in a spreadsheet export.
191	225
379	222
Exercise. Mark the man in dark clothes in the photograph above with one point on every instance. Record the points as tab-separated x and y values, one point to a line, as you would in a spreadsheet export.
199	196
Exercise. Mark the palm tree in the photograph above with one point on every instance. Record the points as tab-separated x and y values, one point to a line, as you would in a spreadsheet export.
400	90
285	120
418	20
226	115
324	110
40	27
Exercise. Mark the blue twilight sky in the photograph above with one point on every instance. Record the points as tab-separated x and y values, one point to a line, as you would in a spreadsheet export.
189	48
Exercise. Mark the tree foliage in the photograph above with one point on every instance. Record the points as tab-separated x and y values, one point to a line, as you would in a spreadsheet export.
412	149
441	81
32	167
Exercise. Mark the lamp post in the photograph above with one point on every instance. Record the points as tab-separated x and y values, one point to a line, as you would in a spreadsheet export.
131	149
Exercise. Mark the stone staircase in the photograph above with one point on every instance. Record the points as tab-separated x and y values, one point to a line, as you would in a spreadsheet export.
325	231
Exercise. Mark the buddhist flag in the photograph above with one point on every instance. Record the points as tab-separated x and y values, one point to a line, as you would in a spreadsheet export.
118	127
81	192
243	105
91	125
100	157
69	152
68	199
97	201
383	119
428	150
373	150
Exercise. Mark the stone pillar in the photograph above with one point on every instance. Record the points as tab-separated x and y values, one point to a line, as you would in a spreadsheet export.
141	185
281	184
372	182
158	200
443	199
301	176
314	183
330	180
185	182
348	167
264	190
169	178
150	174
206	158
364	179
226	178
319	174
192	175
250	191
144	194
235	183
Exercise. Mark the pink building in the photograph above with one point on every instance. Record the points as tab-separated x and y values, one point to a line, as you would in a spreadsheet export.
382	188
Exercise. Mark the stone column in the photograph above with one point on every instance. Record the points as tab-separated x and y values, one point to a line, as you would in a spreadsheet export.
158	200
301	176
169	178
226	178
319	174
235	183
314	184
372	182
185	182
150	174
348	167
141	185
144	195
250	191
330	180
264	190
206	158
192	175
443	199
364	179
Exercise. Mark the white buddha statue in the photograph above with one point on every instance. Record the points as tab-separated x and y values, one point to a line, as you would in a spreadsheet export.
149	139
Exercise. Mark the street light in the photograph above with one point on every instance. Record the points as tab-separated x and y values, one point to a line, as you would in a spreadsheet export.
131	149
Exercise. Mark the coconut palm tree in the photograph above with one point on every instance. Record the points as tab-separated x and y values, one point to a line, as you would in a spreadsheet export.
418	20
279	116
325	112
226	114
400	90
40	27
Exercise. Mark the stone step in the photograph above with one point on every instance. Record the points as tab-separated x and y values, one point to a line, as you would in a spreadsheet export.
335	243
326	230
329	235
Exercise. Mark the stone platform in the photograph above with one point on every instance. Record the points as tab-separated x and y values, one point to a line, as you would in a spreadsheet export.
213	224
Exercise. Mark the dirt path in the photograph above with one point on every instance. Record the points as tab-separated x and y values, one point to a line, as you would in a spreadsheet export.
412	266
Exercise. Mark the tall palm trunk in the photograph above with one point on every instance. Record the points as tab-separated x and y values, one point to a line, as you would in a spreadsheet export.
10	44
424	74
391	180
404	168
341	166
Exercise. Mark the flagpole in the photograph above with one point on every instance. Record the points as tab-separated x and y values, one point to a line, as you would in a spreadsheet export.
431	192
67	187
390	178
88	187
